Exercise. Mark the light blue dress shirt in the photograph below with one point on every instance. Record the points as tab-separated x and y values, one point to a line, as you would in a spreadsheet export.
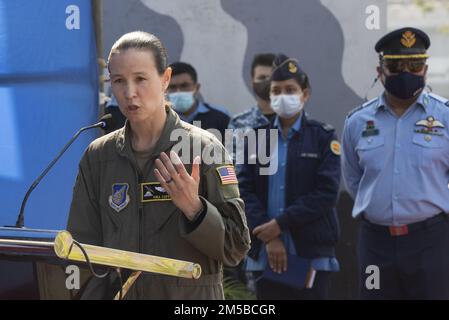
398	176
276	206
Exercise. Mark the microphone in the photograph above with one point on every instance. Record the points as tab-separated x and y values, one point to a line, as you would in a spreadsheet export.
105	123
372	85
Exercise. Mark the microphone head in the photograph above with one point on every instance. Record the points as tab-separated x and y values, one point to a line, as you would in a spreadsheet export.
108	122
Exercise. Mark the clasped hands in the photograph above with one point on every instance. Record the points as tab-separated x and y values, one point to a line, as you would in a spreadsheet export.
277	254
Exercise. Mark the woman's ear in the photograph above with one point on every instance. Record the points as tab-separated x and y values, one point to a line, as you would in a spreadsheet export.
166	77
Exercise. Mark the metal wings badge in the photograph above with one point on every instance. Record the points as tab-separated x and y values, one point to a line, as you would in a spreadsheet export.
429	126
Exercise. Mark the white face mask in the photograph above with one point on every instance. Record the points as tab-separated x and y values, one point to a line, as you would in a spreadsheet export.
182	101
286	105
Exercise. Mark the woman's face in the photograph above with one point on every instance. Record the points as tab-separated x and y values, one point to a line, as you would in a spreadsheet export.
288	87
137	85
287	98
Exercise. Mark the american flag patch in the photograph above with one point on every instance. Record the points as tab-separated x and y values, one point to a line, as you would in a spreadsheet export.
227	175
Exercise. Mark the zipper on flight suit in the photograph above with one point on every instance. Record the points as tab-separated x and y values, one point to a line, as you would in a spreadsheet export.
140	217
139	190
139	176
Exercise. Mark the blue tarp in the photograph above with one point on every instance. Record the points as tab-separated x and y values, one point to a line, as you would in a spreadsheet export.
48	90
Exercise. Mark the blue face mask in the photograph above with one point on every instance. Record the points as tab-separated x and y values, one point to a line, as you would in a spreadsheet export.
182	101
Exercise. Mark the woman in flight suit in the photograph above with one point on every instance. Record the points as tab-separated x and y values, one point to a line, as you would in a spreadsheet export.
134	193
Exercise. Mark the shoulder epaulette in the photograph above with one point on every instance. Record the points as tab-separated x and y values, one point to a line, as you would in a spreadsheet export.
327	127
439	98
242	114
361	107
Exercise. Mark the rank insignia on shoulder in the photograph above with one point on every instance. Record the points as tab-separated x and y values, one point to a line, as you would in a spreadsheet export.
119	198
152	191
227	174
354	111
426	100
370	129
335	147
328	127
429	126
361	107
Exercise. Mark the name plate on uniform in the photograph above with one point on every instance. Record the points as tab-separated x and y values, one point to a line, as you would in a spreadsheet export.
153	191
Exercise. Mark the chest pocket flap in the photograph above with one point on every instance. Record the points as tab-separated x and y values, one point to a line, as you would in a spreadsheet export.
428	141
369	143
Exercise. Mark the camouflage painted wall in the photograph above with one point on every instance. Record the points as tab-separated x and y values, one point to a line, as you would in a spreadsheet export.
330	38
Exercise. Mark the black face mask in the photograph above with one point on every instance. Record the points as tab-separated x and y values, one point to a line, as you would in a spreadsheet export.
262	89
404	85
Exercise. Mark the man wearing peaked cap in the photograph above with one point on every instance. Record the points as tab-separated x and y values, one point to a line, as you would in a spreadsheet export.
291	210
395	166
405	43
403	68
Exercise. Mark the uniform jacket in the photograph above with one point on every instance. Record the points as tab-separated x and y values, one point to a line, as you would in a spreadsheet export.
214	118
251	118
313	177
157	227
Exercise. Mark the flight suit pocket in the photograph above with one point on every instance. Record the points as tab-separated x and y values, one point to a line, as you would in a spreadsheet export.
158	214
370	152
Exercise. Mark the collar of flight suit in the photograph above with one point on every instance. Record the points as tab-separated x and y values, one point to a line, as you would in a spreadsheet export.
164	143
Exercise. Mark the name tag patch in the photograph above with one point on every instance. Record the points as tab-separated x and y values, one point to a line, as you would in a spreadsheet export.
309	155
152	191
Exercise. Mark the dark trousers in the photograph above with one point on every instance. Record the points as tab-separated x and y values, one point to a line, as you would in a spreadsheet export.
268	290
412	266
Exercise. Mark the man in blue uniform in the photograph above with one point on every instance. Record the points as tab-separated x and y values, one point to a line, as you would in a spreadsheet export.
184	94
396	168
291	212
261	114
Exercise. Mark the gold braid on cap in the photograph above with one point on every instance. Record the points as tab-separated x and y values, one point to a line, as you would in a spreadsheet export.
406	56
